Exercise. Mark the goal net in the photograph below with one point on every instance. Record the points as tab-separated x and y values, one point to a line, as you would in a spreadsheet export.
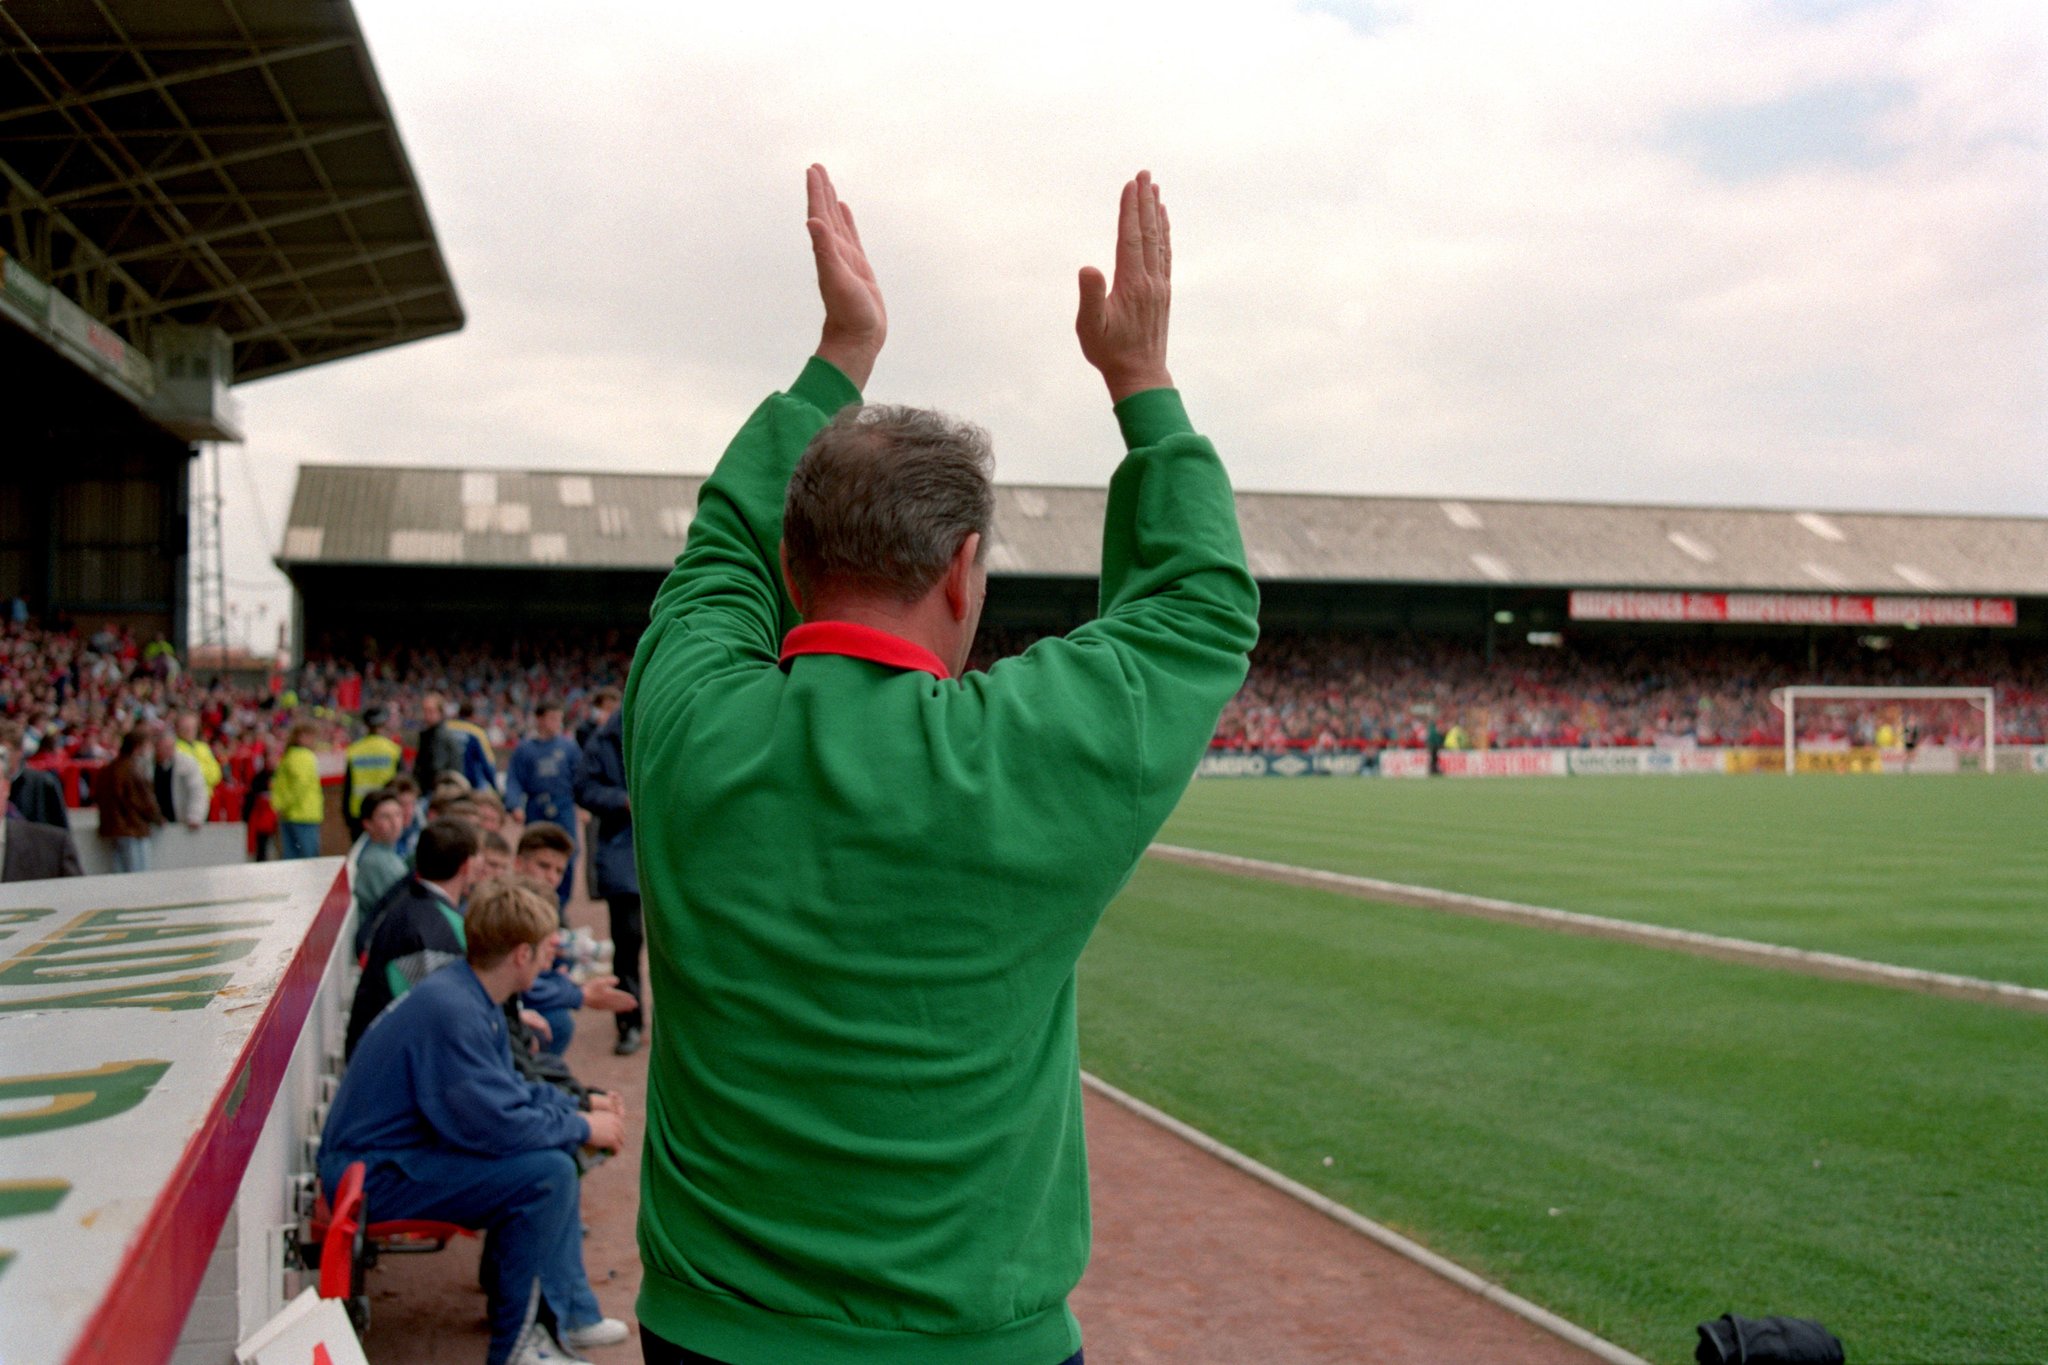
1903	727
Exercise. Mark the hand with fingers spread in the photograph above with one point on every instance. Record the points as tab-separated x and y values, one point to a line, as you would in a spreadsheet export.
1123	326
856	324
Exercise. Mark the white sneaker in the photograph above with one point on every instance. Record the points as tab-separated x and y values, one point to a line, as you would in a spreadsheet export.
536	1347
603	1332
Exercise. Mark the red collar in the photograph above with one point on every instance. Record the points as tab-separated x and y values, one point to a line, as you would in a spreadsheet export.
861	642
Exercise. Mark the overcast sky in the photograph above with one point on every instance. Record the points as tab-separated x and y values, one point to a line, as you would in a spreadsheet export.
1779	254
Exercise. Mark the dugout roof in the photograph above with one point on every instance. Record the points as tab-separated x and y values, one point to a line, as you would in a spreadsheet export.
216	163
517	519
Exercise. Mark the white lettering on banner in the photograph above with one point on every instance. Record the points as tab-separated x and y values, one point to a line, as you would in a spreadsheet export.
1502	763
1604	762
1784	608
1287	763
1404	763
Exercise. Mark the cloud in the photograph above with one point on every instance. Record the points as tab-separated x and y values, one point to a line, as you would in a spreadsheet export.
1836	126
1707	253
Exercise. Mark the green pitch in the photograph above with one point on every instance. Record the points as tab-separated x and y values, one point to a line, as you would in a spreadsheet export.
1945	873
1636	1139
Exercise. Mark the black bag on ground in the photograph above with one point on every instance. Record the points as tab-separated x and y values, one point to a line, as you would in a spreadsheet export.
1729	1340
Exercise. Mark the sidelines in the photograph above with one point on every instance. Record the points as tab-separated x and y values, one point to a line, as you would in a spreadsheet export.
1746	951
1378	1232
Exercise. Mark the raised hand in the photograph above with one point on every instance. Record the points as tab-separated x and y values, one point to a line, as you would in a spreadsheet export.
1123	327
856	323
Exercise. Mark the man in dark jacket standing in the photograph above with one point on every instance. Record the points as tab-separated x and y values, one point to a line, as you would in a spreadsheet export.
30	851
38	795
601	790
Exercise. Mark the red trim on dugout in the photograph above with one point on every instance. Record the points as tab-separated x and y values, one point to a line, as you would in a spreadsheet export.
153	1288
861	642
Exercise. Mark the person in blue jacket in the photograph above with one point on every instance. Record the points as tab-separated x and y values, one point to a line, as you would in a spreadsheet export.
601	790
540	782
448	1131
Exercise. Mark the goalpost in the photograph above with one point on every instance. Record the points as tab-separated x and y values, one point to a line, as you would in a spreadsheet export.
1984	699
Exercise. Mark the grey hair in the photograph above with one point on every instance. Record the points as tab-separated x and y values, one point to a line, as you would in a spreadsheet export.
882	498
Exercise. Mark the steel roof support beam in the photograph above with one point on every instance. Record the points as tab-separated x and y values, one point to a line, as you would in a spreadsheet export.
349	262
319	167
261	224
155	175
261	58
299	320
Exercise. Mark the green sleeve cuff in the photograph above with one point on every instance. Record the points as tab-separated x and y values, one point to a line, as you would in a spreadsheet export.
825	386
1150	416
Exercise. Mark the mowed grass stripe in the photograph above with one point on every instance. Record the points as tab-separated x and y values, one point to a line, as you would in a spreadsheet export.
1468	1077
1663	937
1944	874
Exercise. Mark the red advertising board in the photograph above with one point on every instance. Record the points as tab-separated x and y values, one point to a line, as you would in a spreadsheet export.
1793	608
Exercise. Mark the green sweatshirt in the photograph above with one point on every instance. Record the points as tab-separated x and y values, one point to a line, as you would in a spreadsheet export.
866	889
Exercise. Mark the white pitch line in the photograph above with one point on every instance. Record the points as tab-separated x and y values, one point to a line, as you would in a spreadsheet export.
1742	950
1378	1232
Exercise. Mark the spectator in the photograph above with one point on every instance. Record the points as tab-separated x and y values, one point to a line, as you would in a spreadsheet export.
541	782
128	810
601	790
29	850
440	748
479	764
448	1130
374	864
370	763
407	790
417	927
490	811
37	795
496	854
543	857
177	783
602	703
295	793
200	752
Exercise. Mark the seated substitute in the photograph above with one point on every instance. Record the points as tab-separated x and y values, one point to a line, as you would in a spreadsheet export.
868	878
447	1130
543	858
417	928
374	863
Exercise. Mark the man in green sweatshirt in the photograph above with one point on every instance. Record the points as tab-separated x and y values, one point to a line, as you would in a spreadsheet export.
868	877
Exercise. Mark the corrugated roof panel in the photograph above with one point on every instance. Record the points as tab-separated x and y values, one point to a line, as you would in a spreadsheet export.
640	520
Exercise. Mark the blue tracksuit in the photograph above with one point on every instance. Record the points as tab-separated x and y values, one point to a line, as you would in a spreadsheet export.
448	1130
543	777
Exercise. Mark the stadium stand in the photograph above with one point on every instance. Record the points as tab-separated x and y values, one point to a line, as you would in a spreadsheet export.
193	193
1382	615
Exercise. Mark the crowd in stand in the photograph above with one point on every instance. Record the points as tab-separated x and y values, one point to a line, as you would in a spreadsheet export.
79	699
1329	689
1325	690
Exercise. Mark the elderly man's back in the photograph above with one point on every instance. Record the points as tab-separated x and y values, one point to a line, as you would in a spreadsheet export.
867	886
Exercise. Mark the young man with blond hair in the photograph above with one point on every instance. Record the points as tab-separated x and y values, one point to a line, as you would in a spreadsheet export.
447	1130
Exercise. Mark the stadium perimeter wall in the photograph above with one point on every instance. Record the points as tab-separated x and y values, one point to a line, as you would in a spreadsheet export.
160	1103
1411	763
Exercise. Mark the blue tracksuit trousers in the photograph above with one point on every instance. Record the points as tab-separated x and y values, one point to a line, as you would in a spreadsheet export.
529	1207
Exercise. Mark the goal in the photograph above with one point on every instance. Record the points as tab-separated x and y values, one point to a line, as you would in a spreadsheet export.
1982	699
